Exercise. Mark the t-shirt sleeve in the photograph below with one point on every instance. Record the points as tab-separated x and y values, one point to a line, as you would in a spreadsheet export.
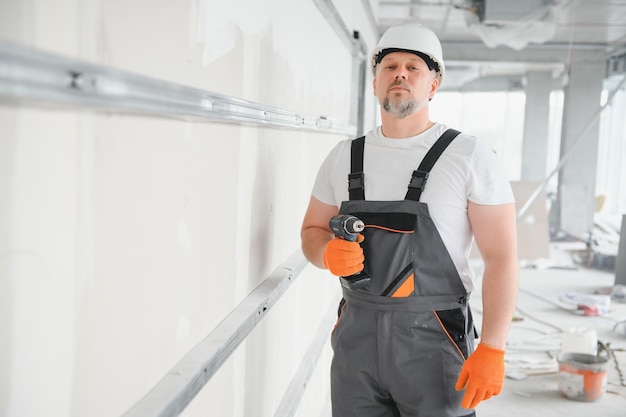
488	184
324	185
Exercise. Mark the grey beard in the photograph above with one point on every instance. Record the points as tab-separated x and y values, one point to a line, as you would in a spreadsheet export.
399	110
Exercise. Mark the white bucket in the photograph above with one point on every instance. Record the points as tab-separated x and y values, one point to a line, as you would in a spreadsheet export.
580	340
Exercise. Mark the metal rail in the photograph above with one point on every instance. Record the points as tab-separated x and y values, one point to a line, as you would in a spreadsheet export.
333	17
30	76
183	382
289	404
355	44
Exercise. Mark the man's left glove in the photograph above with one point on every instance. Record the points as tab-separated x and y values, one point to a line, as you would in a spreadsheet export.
482	375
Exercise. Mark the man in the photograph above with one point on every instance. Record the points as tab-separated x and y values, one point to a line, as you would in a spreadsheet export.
404	342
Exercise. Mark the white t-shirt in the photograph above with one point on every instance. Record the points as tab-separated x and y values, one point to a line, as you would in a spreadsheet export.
467	170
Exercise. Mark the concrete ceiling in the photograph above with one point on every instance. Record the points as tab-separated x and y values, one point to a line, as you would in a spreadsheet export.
492	44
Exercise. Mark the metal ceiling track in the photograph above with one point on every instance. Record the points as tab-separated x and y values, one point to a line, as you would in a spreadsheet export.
351	39
33	77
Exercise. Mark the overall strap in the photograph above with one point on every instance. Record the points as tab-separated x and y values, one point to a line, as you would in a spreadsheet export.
356	186
418	180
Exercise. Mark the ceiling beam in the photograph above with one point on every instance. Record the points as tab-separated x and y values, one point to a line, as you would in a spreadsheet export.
546	53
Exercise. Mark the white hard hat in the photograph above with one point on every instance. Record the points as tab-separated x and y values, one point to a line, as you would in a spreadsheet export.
414	38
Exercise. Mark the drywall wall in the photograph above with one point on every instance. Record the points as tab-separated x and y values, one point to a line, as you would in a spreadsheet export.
126	239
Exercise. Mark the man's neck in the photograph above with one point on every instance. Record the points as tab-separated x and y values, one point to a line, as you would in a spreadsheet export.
394	128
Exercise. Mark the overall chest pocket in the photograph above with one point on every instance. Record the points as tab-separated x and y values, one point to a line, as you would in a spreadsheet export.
389	252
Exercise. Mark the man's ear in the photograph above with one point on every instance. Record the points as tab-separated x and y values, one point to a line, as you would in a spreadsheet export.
434	85
374	86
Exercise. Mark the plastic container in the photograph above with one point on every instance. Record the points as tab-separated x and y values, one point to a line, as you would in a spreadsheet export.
582	377
580	340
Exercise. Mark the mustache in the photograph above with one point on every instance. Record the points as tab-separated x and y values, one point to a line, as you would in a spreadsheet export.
400	83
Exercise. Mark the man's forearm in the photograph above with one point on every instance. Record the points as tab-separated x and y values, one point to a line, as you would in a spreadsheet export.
499	293
314	241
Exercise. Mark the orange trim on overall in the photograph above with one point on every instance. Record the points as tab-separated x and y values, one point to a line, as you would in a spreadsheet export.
343	307
388	229
406	289
448	334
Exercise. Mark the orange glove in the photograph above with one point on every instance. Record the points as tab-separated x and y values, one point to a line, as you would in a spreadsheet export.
482	375
344	258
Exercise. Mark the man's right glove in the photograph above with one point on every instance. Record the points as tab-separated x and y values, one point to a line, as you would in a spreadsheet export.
482	375
344	258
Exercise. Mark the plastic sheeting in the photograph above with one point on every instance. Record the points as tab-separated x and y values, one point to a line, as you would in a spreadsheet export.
536	27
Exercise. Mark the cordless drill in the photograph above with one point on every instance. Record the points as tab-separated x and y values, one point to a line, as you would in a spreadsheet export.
348	227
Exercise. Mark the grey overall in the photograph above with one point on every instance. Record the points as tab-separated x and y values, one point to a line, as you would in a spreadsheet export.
405	327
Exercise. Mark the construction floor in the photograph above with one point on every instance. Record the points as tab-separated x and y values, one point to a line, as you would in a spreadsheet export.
544	322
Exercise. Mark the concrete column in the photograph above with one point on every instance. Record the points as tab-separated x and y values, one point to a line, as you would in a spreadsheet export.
536	125
579	143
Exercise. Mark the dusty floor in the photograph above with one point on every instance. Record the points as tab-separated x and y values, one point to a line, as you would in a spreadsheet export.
535	339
